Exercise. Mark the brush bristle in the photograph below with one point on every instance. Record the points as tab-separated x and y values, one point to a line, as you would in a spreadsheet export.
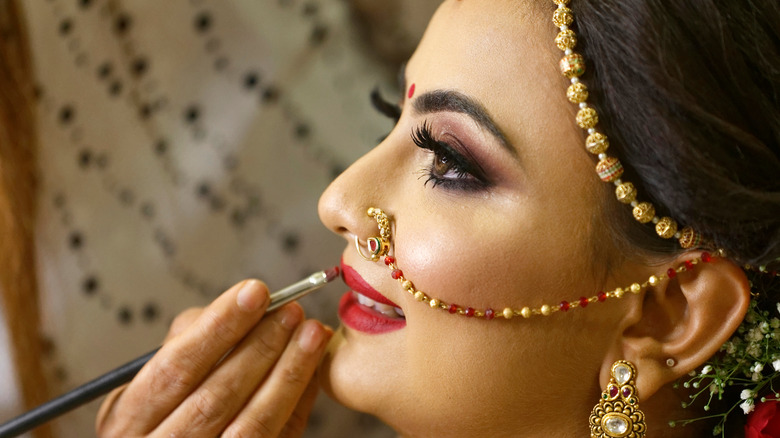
332	273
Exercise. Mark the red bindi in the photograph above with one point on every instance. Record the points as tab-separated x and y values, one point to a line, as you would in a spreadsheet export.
411	91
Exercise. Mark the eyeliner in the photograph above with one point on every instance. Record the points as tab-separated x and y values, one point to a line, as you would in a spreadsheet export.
123	374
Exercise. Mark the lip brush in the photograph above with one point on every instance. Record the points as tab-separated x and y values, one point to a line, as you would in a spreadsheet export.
123	374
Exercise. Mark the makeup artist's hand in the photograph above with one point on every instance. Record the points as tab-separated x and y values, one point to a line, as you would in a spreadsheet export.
224	371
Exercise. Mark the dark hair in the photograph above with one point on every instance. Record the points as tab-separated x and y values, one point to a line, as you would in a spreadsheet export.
689	95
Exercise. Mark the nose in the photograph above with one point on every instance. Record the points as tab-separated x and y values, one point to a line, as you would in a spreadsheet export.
366	183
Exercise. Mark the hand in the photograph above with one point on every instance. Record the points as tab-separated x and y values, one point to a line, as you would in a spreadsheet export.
224	371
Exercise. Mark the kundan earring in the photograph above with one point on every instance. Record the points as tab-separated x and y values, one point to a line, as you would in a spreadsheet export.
617	415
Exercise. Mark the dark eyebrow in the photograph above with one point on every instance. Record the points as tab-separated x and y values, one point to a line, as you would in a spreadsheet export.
447	100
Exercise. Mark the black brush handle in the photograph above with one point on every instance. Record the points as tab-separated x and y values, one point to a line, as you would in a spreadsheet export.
75	398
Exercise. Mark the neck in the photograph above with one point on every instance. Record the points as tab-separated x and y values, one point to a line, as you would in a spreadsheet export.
664	406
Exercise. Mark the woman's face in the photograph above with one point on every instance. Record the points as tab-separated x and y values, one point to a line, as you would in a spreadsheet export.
498	208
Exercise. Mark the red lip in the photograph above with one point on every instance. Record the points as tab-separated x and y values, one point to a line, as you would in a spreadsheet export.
359	317
356	283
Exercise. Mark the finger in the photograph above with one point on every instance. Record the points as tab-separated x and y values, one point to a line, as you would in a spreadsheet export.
273	404
182	363
220	397
106	412
296	425
104	418
182	321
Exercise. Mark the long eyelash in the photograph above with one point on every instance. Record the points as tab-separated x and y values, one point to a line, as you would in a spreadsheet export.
423	138
386	108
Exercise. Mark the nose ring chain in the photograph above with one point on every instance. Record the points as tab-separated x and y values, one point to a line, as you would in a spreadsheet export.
379	247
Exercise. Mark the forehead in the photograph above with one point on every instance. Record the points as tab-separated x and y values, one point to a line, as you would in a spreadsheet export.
478	44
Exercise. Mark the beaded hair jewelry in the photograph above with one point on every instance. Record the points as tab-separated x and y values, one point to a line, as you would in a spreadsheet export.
609	168
379	248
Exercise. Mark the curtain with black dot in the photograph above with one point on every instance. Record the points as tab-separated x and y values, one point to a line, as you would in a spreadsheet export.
183	147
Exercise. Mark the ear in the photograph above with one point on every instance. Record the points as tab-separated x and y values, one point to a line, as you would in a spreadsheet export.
686	318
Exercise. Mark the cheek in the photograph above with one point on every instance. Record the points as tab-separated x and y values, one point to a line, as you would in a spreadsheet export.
454	257
494	260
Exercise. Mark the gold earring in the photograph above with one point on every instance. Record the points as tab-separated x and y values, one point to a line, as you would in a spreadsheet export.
617	415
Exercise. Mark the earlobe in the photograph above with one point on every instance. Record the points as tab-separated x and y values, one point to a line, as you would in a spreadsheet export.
686	318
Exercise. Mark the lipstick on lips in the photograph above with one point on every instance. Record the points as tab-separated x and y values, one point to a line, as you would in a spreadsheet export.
366	310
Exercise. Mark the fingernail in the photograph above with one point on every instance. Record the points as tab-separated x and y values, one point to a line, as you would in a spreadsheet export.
251	296
310	337
289	317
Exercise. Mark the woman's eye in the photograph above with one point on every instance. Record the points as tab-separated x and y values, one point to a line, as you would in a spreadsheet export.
448	168
441	165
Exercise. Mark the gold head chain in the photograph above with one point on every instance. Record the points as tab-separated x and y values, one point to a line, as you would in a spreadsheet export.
609	168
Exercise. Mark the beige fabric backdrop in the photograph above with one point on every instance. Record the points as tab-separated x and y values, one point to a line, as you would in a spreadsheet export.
184	144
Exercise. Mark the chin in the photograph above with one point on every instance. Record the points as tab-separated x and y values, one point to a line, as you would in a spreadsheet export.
347	375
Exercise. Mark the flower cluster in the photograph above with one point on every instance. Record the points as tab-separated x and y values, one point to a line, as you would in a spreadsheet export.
749	361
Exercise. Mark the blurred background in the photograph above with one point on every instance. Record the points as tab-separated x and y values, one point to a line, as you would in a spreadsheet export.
182	147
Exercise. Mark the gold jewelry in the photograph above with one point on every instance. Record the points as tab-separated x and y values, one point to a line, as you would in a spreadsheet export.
383	248
609	168
617	414
377	246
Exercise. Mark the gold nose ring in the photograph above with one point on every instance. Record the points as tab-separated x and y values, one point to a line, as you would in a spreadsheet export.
377	246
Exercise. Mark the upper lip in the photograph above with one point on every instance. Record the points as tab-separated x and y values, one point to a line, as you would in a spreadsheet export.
359	285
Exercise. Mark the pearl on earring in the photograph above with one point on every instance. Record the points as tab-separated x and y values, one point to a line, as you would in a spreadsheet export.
671	362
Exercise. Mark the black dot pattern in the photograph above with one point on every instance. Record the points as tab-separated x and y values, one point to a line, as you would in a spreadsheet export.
90	285
203	22
122	23
184	146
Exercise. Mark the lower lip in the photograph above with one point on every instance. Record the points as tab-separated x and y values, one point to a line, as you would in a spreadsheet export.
361	318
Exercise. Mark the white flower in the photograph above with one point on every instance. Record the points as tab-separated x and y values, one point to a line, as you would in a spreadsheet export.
707	369
753	349
778	307
776	365
775	323
764	327
747	406
730	348
714	388
758	367
754	334
755	377
746	394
